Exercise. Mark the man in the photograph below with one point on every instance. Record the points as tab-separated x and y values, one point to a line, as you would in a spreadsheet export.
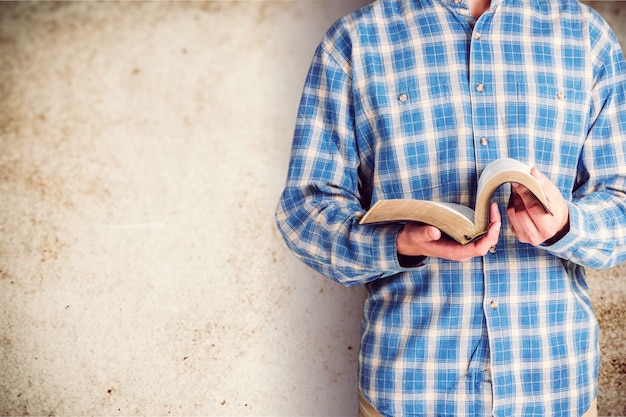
412	99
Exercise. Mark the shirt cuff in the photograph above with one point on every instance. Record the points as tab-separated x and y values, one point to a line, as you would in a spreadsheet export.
560	245
411	261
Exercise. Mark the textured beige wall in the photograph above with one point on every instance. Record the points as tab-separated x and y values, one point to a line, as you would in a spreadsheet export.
143	148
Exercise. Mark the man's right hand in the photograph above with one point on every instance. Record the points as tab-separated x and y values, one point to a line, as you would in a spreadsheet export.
417	239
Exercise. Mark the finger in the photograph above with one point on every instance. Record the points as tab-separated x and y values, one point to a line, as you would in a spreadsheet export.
516	207
495	223
551	191
484	244
510	211
527	199
421	232
494	214
493	234
519	219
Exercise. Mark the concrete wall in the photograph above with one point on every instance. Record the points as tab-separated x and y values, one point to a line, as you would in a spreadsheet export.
143	149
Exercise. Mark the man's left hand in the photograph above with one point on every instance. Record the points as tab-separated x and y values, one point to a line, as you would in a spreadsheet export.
527	218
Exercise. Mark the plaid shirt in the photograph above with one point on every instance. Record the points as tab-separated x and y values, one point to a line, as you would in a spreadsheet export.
412	99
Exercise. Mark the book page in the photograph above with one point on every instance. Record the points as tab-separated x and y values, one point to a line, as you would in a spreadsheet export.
496	167
497	173
455	220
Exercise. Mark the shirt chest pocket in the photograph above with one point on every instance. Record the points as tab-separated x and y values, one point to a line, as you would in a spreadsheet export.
420	146
550	111
426	108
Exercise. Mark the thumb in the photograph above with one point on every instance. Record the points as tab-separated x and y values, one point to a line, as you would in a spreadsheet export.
431	233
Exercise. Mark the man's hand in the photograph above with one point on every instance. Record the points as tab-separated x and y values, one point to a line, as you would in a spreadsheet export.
527	218
417	239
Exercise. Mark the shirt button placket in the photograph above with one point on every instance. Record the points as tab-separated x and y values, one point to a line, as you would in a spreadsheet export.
481	76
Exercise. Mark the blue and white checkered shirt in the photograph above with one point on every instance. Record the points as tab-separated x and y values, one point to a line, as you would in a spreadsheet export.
412	99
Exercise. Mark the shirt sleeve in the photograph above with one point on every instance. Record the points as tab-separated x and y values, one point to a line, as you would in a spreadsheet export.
597	236
321	205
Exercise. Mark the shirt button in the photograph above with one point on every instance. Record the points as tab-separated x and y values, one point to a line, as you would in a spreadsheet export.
484	141
493	249
480	88
476	35
403	97
560	95
493	304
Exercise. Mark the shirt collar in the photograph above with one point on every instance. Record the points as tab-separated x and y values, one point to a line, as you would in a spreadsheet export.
464	3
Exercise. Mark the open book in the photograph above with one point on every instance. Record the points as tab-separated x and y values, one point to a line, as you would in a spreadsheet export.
458	221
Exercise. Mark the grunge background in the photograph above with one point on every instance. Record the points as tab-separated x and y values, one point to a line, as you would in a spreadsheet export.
143	147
